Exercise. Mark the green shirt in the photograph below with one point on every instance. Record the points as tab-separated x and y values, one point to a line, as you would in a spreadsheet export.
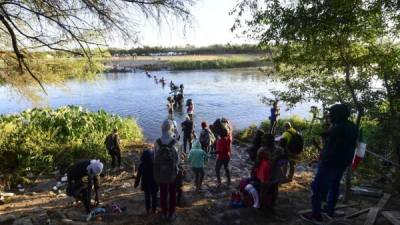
196	157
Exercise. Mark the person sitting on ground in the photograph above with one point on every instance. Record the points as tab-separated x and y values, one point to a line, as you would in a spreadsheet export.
285	140
113	148
268	171
197	157
145	177
207	137
166	161
256	145
81	188
224	146
337	154
274	117
187	129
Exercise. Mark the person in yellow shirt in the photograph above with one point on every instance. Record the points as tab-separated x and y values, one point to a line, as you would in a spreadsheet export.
285	139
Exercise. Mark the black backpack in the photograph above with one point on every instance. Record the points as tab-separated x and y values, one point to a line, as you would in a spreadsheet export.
164	165
296	144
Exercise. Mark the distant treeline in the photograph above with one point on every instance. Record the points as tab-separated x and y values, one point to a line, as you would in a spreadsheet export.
190	50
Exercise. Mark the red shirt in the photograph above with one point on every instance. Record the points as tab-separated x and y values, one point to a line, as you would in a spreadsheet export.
224	148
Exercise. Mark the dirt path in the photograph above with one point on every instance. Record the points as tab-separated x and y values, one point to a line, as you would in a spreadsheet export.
204	208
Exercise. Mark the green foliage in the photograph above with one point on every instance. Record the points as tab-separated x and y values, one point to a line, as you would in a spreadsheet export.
41	139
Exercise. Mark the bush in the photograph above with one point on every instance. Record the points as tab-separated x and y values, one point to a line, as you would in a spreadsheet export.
40	140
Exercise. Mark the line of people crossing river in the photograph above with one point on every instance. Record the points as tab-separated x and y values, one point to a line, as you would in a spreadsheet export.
273	156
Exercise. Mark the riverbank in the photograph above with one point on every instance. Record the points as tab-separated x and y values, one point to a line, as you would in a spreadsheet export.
185	62
40	204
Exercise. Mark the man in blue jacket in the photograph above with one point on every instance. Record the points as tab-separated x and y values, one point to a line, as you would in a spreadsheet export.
337	154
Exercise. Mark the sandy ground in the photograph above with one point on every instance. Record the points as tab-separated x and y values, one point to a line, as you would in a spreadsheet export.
39	205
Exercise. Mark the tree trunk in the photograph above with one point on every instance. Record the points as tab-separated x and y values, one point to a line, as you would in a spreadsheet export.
360	112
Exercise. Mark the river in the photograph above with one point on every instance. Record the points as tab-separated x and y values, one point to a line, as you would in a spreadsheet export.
232	93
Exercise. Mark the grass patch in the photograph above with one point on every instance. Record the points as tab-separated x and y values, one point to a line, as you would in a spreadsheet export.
40	140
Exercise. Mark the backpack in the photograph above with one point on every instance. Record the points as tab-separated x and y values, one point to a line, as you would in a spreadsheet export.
296	144
206	137
164	168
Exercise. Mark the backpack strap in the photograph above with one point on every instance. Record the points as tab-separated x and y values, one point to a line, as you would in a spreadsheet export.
172	143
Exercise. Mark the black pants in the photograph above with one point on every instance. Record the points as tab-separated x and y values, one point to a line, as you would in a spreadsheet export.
150	198
218	166
199	176
80	192
187	139
115	156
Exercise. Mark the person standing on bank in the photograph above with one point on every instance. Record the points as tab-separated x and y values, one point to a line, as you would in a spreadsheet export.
274	117
166	162
113	147
337	154
224	146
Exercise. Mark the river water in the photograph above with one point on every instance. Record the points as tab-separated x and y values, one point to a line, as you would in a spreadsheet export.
233	93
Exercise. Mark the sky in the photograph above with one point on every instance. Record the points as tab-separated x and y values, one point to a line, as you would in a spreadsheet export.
211	25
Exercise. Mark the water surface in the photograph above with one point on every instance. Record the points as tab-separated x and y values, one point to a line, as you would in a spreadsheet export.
234	94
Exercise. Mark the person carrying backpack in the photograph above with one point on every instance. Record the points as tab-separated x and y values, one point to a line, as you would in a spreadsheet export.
197	157
113	148
166	161
207	137
187	129
268	169
145	177
293	143
337	154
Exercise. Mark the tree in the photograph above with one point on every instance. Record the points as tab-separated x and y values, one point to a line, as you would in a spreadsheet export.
328	51
72	26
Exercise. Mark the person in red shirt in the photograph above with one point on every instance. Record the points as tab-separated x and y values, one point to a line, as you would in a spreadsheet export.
224	145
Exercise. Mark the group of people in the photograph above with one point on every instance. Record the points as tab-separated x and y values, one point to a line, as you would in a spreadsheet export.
274	157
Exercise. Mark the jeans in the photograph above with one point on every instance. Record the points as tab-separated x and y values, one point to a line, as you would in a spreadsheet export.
150	198
218	166
187	139
115	156
199	176
326	187
168	198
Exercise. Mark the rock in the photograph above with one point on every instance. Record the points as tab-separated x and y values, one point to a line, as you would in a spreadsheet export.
23	221
56	215
7	219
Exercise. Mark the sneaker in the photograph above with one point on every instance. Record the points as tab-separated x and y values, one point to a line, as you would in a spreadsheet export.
311	218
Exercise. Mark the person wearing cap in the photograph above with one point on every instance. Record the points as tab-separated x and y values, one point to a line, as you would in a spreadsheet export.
285	139
82	177
337	154
113	148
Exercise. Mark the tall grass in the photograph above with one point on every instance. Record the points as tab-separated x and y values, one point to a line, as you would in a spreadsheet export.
42	139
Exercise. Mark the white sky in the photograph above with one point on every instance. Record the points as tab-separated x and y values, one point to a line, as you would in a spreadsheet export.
211	25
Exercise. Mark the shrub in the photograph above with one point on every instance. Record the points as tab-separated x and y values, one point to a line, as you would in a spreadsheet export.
40	140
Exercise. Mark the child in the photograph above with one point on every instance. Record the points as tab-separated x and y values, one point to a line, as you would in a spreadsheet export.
196	159
148	184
